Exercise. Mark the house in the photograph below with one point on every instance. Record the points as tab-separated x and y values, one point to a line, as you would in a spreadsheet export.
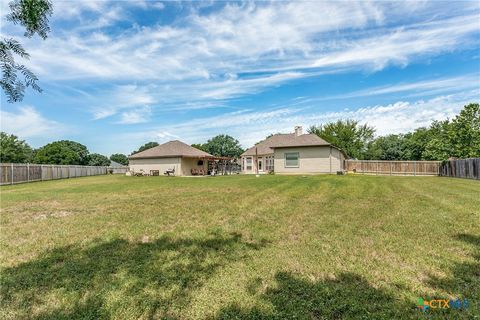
293	153
173	155
117	168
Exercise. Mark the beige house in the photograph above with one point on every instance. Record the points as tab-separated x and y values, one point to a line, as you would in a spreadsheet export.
175	156
293	153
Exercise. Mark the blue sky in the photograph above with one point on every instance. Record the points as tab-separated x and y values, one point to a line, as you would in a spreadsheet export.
117	74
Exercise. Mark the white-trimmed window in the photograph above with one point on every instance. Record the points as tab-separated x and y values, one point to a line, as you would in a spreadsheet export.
291	159
249	163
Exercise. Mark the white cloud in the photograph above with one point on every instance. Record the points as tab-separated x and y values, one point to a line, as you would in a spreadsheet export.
27	122
138	115
415	88
246	48
251	126
121	98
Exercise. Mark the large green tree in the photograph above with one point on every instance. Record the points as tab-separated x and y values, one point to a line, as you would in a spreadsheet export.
223	145
200	146
14	150
390	147
119	158
63	152
33	16
349	135
96	159
146	146
464	132
416	143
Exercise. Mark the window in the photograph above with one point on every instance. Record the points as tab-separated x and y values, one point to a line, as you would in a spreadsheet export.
249	163
260	162
200	163
291	159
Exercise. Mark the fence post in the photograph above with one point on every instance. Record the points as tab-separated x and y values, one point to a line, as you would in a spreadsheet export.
28	172
391	167
414	168
11	173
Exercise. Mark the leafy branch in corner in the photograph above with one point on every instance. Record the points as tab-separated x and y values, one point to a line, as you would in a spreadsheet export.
33	15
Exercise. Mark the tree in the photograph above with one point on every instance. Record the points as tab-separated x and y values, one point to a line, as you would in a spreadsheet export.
348	135
390	147
96	159
33	15
416	143
223	146
63	152
119	158
464	132
146	146
200	146
439	146
14	150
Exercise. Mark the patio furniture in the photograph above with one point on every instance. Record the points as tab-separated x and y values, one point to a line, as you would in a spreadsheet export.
154	173
170	172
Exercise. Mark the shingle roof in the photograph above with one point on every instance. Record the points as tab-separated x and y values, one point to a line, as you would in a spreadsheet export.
115	164
285	140
173	148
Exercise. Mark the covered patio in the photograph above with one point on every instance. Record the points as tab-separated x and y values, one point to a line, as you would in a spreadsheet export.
210	165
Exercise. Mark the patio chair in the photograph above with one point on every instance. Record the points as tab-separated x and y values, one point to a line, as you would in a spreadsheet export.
170	172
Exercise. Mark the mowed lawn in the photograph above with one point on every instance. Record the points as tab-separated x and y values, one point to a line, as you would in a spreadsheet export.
239	247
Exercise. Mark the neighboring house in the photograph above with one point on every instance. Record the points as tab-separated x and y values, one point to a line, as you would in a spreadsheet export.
114	164
117	168
168	156
294	153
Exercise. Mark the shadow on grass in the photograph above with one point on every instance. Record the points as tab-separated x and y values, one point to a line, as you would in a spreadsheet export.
465	280
349	296
346	297
117	279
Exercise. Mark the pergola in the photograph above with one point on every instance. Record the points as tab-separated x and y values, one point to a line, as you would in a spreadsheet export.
219	165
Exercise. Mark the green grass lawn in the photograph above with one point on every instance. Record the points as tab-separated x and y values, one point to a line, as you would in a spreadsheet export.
316	247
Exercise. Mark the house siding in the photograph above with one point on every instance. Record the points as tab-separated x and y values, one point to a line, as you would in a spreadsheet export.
160	164
318	159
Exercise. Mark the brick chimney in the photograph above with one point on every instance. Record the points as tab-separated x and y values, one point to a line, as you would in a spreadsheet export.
298	131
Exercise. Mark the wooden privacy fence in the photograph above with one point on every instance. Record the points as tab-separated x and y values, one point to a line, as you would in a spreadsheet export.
415	168
11	173
462	168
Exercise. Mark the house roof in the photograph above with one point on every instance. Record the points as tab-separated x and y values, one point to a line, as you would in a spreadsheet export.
116	164
173	148
285	140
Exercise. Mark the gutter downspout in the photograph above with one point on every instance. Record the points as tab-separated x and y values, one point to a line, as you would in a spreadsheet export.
256	160
330	157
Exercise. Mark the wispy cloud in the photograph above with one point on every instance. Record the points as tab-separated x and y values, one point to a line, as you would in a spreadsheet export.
246	48
27	122
250	126
412	89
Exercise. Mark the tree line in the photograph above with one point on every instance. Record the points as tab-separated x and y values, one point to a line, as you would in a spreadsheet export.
459	138
66	152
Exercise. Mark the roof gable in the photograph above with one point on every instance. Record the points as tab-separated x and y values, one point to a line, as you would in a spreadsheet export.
285	140
173	148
